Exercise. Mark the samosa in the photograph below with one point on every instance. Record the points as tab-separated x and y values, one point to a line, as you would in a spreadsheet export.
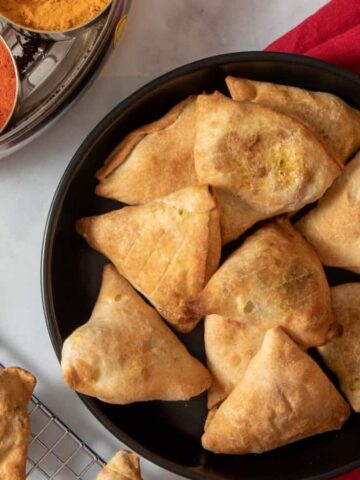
154	160
342	355
229	346
16	387
157	159
269	161
167	248
125	353
236	216
283	397
123	466
327	115
333	226
273	278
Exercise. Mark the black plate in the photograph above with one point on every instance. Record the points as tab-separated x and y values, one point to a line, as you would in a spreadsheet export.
168	433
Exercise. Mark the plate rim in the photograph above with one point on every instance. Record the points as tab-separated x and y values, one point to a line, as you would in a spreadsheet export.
59	196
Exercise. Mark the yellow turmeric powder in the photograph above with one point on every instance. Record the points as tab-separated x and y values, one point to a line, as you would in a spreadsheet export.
51	15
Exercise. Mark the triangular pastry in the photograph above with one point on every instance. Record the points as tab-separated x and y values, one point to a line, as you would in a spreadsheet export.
16	387
236	216
229	346
125	353
271	162
283	397
158	159
274	278
333	226
167	248
330	117
123	466
342	355
154	160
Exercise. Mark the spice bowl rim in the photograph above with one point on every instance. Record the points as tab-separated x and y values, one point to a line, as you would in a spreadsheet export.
56	35
17	84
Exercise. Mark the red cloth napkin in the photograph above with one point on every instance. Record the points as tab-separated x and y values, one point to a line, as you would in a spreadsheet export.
355	475
331	34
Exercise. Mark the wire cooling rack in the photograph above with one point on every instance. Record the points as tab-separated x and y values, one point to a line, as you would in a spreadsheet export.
55	452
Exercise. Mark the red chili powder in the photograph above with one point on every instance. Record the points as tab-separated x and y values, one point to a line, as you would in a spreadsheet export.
7	84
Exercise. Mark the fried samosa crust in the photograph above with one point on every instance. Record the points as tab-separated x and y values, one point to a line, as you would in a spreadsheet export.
331	118
274	278
333	226
123	466
167	248
125	353
283	397
16	387
229	346
342	355
154	160
269	161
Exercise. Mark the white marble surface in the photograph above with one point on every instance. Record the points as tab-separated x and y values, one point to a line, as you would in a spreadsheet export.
160	35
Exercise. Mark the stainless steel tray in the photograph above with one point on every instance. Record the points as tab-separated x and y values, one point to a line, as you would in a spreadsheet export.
54	74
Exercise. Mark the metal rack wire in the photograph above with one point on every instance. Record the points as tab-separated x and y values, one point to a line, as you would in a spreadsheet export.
55	452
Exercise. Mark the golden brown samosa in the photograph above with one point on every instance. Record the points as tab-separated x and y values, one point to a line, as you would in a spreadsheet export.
271	162
154	160
236	216
158	159
274	278
123	466
283	397
16	387
167	248
342	355
125	353
229	346
333	226
330	117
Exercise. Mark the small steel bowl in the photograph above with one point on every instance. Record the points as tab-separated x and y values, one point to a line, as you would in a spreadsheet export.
57	36
17	82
